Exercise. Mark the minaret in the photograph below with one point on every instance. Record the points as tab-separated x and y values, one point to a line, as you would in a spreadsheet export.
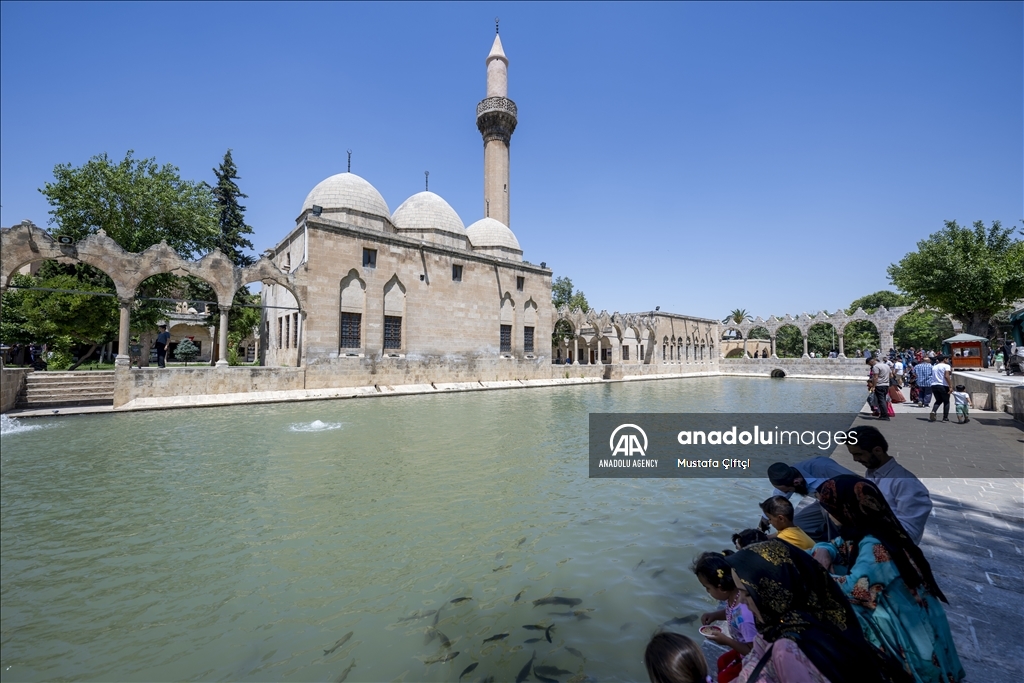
496	119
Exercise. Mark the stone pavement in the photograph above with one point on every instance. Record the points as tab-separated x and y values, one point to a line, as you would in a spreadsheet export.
974	539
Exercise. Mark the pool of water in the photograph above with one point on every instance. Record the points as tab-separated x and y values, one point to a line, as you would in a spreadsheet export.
241	543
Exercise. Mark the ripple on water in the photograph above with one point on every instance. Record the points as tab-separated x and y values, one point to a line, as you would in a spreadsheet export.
314	426
12	425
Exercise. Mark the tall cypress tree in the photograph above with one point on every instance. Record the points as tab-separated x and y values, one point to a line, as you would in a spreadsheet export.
233	228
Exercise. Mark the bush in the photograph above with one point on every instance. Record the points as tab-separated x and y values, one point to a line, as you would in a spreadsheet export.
186	351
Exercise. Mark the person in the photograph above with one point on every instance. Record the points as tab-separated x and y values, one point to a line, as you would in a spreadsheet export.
906	495
915	393
748	537
940	388
897	371
888	581
867	353
764	353
779	512
925	377
716	576
880	374
962	400
1007	351
807	631
674	658
162	340
804	478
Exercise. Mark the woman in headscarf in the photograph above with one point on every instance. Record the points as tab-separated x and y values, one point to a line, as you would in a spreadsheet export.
807	631
887	580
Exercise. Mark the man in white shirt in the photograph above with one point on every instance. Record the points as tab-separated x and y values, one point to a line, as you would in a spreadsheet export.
897	369
904	492
940	388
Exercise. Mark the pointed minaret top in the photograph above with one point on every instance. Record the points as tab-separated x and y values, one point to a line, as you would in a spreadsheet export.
497	52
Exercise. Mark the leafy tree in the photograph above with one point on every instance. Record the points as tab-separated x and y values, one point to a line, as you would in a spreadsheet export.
186	351
922	330
231	219
861	334
562	294
737	316
968	273
822	339
759	332
872	302
789	342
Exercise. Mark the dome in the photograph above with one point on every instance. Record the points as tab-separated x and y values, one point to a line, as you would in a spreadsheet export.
347	191
426	211
488	233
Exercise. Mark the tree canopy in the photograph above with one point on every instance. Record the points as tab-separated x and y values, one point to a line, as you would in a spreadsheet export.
562	294
231	215
968	273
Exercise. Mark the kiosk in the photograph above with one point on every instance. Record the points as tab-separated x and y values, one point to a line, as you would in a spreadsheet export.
966	351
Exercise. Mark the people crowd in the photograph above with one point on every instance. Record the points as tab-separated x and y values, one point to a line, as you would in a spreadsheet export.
841	592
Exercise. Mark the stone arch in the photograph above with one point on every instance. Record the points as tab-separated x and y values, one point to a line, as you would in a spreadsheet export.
778	373
789	344
395	323
822	347
266	272
506	324
351	303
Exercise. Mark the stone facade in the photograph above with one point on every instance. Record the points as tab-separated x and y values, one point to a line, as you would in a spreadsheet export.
798	368
11	382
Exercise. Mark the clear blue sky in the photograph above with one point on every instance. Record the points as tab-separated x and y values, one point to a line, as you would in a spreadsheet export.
697	157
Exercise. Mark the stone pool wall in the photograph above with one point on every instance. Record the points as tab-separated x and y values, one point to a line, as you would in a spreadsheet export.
11	382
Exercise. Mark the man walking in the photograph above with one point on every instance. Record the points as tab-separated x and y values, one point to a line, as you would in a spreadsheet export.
880	376
925	377
940	387
162	340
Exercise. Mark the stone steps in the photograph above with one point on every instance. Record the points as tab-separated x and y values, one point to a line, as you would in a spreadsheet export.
89	388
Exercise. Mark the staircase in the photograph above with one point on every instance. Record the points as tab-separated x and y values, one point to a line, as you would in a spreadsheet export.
63	389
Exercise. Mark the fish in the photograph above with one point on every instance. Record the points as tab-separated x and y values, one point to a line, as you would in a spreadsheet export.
458	600
521	541
468	669
498	569
574	651
341	641
524	673
638	565
437	615
500	636
518	595
429	637
657	572
688	619
500	554
674	521
561	614
447	657
417	615
345	673
444	639
571	602
533	640
581	614
547	632
550	671
535	627
628	625
544	679
489	679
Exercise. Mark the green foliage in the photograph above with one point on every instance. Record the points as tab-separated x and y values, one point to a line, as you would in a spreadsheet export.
14	327
861	334
562	294
759	332
231	215
737	316
186	351
789	342
59	355
969	273
871	302
922	330
822	339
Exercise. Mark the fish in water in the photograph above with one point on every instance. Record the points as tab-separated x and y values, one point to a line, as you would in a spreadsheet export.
628	625
502	568
533	640
581	614
544	679
518	595
674	521
521	541
550	671
561	614
638	565
657	572
571	602
341	641
442	658
574	651
458	600
444	639
547	632
524	673
417	615
345	673
535	627
468	669
489	679
688	619
437	615
500	636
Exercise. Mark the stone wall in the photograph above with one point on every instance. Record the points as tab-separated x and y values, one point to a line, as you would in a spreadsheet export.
1017	395
360	372
11	382
998	391
834	368
133	383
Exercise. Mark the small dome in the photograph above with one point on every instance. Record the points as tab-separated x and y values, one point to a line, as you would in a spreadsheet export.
488	232
347	191
426	211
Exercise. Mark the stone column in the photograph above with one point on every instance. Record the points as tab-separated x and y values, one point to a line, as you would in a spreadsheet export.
124	333
745	354
575	350
598	359
222	352
886	340
805	347
841	353
772	340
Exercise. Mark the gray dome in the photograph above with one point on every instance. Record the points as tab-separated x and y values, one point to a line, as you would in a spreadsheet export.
426	211
488	232
347	191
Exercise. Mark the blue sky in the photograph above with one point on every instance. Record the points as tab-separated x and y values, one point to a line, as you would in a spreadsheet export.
698	157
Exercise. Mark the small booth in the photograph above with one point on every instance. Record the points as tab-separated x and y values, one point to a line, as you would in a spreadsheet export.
966	351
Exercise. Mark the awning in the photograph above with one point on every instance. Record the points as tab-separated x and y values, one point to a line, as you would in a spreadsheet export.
963	337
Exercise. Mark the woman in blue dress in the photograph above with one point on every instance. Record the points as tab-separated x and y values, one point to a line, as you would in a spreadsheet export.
888	580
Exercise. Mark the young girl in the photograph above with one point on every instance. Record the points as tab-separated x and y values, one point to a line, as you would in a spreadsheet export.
716	576
674	658
963	400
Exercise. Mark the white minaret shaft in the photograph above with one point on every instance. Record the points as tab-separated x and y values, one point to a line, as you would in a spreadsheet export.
496	119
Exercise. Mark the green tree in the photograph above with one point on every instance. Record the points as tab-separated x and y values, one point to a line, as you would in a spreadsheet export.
968	273
885	297
789	342
562	294
231	215
860	334
186	351
737	316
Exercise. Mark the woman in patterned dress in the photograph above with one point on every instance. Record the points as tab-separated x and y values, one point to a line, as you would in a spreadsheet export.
888	581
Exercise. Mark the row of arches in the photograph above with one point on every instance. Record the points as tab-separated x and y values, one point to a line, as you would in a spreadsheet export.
639	339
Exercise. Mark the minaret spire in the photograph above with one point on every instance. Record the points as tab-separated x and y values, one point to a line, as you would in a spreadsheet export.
496	118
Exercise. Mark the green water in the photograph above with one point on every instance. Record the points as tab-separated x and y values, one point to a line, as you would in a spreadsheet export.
230	544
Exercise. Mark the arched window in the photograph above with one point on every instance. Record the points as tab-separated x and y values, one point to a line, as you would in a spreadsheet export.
394	315
353	306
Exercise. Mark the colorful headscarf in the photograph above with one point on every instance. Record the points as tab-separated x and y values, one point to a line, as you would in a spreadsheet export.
799	600
861	509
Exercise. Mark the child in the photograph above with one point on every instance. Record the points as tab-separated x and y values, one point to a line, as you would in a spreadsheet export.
748	537
779	512
716	576
962	400
674	658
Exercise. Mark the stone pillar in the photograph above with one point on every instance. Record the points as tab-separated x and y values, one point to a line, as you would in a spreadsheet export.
575	350
805	346
745	354
841	352
124	333
772	340
885	340
222	352
598	359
